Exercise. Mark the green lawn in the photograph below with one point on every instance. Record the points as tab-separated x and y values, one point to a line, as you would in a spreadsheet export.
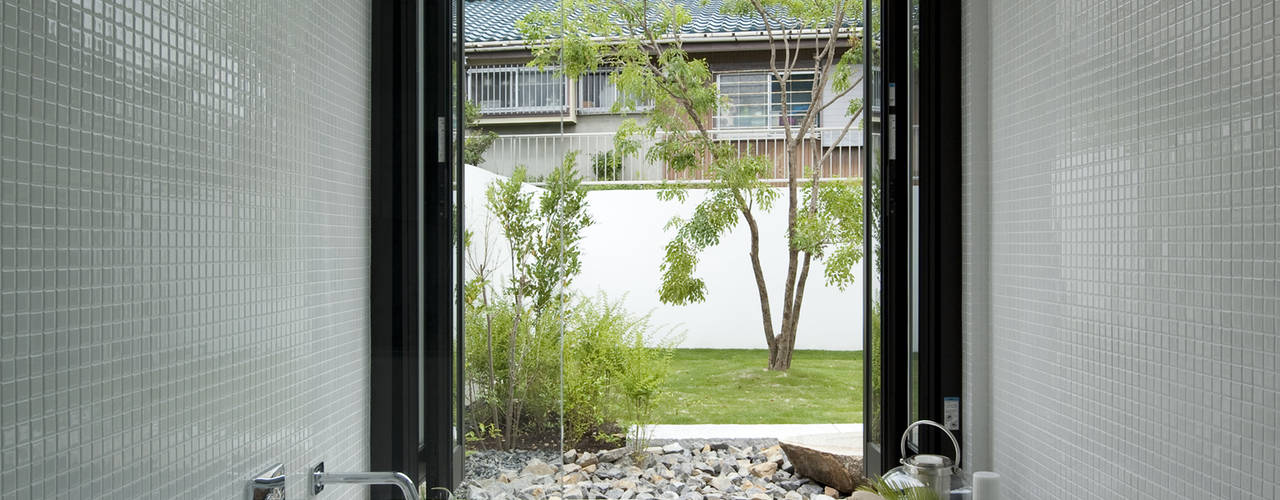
732	386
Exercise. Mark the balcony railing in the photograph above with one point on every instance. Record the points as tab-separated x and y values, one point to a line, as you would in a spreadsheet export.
541	153
516	89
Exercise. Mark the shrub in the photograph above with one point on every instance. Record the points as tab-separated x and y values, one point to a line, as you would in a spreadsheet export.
535	373
529	342
607	166
615	368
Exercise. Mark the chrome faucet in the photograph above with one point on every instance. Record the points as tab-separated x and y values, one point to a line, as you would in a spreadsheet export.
319	478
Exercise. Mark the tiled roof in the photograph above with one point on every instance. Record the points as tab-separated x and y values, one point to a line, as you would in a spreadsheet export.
495	20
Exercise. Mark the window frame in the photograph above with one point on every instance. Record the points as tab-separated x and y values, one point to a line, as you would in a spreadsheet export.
772	121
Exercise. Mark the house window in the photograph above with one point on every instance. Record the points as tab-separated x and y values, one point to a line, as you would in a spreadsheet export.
597	93
755	100
516	89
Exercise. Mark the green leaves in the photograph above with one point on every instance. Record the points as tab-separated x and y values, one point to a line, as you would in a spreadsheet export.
833	230
512	207
562	214
545	254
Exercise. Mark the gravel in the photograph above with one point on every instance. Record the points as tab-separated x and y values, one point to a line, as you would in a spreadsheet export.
692	469
487	464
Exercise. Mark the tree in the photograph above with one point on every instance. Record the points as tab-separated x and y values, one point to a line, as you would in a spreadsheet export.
543	239
640	42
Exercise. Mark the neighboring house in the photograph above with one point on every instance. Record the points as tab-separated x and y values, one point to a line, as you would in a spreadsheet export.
540	115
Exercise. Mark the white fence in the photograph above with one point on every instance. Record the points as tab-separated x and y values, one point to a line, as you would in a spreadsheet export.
541	153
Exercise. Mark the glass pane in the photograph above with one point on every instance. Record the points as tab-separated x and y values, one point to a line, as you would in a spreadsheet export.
597	92
874	429
748	95
913	121
455	164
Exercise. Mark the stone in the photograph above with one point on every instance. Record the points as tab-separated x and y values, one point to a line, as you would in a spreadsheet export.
656	450
614	454
670	459
774	454
590	469
692	495
609	473
534	491
626	484
587	459
759	496
721	483
570	456
791	495
672	448
706	448
646	460
613	493
821	497
519	484
726	466
669	495
538	468
831	492
719	446
571	468
865	495
573	478
833	459
764	470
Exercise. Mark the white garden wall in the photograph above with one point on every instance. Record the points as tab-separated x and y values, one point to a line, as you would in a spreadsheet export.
621	253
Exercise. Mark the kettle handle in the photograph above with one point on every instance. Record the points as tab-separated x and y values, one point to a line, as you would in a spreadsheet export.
902	446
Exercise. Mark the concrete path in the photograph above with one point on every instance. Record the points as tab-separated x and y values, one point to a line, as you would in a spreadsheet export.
746	431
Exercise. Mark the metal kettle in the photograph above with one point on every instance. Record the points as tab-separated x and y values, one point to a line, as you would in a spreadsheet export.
925	471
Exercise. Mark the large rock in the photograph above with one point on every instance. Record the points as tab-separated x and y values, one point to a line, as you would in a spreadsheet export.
833	459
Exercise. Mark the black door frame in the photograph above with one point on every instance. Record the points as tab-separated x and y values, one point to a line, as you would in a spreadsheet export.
940	222
396	243
939	285
413	376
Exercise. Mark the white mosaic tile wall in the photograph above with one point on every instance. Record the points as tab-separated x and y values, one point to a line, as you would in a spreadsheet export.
183	245
1134	288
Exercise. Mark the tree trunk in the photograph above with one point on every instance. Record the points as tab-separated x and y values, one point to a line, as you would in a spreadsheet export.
488	327
780	350
510	430
761	287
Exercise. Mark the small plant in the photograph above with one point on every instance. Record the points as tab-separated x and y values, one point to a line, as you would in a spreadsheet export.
484	431
879	486
607	166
